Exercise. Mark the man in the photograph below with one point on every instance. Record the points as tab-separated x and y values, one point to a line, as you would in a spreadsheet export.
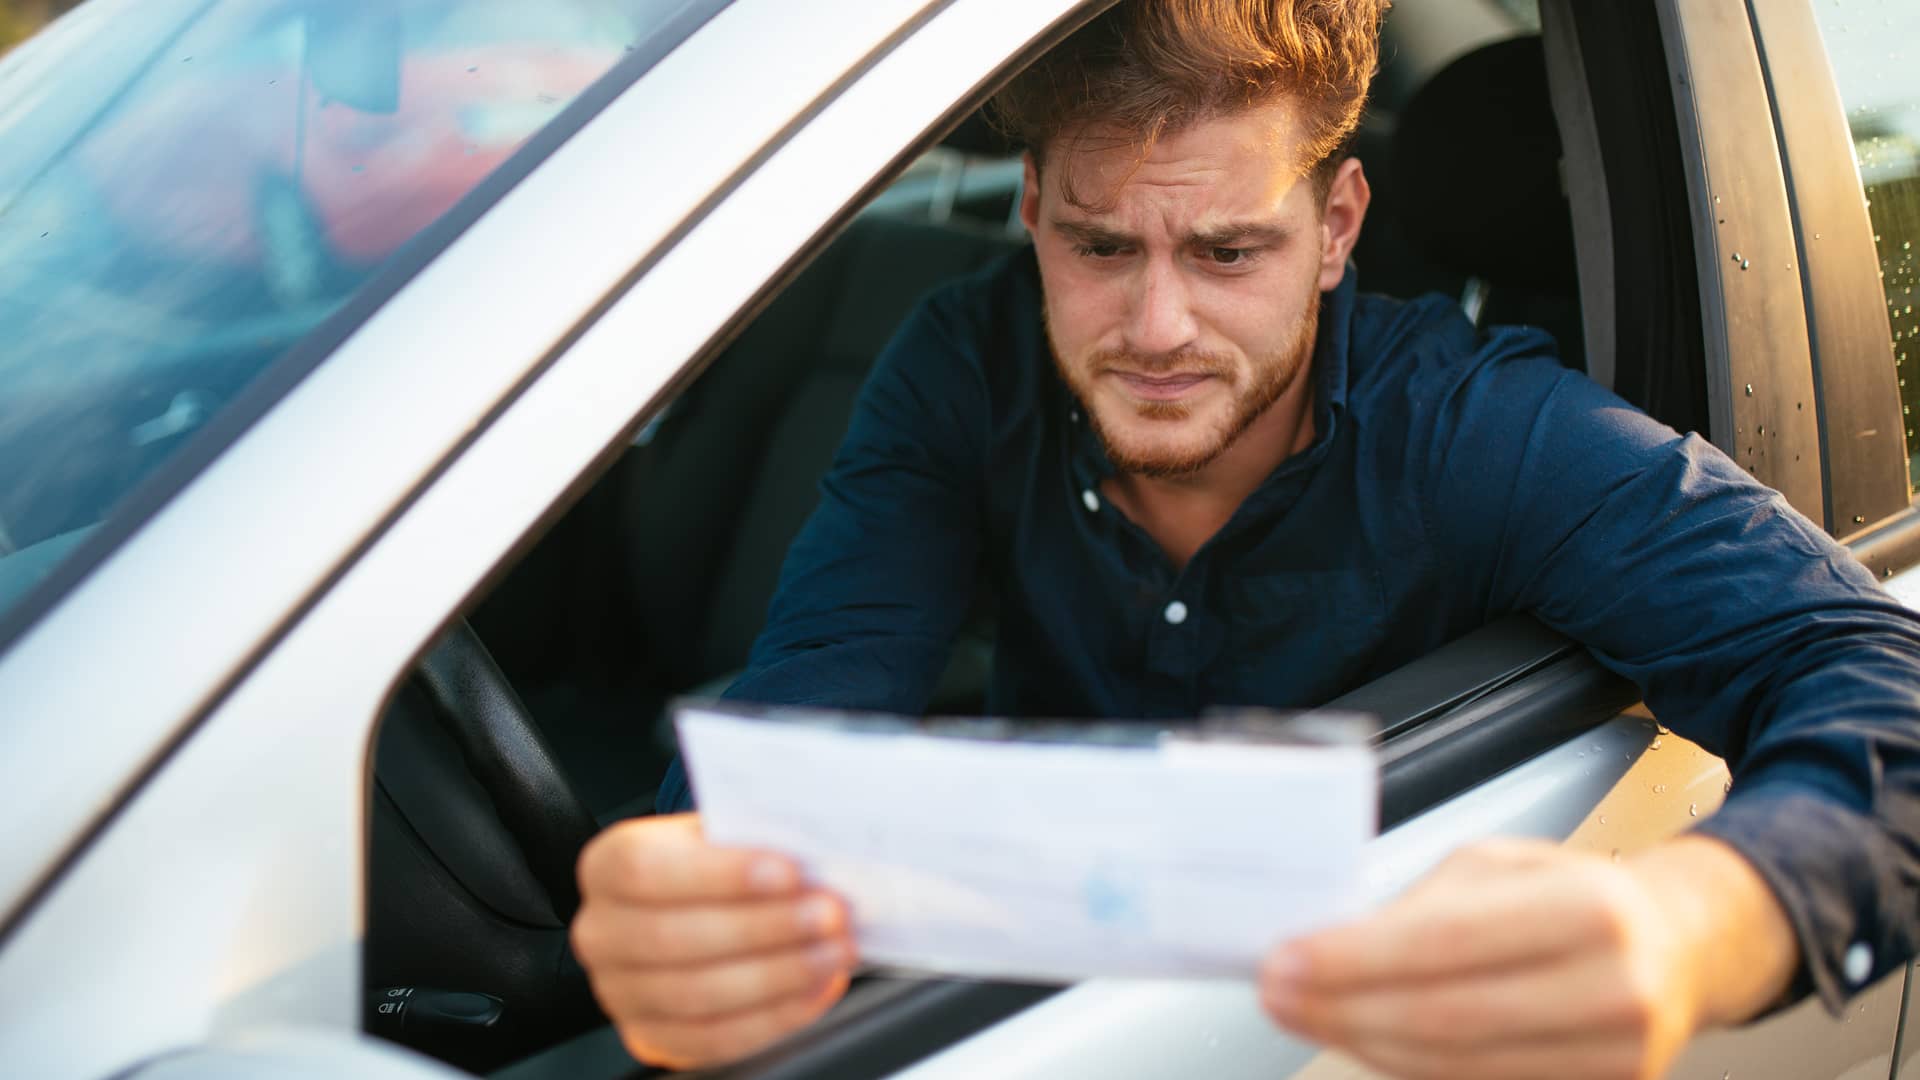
1201	470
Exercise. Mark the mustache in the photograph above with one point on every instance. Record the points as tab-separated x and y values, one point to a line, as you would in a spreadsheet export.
1177	362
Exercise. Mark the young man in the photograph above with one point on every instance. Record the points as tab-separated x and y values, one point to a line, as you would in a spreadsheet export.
1201	470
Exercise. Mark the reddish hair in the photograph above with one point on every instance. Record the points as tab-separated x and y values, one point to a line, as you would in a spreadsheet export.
1146	68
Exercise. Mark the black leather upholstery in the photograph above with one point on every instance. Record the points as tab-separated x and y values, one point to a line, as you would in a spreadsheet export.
1477	189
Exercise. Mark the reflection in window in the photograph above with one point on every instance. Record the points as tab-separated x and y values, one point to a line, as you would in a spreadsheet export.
1875	49
188	187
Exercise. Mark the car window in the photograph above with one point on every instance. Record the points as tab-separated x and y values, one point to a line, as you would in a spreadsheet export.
1871	44
188	187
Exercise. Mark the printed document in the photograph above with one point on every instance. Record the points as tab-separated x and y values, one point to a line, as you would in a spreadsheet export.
981	850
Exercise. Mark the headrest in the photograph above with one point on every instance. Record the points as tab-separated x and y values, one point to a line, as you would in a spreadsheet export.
1476	165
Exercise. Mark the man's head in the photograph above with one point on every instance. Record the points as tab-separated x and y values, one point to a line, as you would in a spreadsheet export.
1188	204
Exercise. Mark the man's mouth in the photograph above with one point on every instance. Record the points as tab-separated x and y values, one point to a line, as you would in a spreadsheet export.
1160	387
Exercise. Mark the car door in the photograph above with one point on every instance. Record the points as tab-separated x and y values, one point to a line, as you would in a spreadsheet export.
191	867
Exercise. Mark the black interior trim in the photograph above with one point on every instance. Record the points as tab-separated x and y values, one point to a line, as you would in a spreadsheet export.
1495	732
1474	666
1659	338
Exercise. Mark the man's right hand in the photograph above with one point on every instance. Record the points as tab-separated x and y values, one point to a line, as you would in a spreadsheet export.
703	955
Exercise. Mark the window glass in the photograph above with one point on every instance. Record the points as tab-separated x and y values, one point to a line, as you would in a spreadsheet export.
1875	49
187	187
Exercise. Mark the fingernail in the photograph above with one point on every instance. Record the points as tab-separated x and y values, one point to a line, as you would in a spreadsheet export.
828	958
772	876
816	914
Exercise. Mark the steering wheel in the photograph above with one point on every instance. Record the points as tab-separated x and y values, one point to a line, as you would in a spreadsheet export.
511	759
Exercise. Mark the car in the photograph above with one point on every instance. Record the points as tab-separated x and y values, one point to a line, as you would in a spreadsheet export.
403	403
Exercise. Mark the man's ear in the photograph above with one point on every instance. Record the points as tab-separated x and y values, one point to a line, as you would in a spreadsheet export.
1340	221
1030	196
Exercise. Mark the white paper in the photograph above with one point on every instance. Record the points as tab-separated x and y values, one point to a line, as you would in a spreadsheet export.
1047	861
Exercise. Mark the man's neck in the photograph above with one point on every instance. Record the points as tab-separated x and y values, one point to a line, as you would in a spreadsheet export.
1182	513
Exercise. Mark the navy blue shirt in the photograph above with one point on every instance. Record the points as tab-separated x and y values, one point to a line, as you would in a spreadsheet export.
1455	477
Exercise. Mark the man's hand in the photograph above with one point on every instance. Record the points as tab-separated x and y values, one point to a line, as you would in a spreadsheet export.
1522	958
703	955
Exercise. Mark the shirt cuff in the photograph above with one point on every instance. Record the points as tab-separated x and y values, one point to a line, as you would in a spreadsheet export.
1834	872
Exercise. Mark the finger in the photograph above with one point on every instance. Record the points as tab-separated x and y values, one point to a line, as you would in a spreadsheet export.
626	936
1454	926
1586	997
714	991
665	860
691	1044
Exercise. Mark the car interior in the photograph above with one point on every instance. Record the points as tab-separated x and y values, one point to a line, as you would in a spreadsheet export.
543	714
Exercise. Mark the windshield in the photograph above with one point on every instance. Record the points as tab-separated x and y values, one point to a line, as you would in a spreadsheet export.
188	187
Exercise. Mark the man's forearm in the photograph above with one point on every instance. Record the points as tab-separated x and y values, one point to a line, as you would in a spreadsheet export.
1746	949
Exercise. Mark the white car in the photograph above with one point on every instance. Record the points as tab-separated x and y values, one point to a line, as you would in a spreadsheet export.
338	337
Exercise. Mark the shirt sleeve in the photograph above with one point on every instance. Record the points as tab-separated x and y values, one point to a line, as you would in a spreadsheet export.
1747	628
877	584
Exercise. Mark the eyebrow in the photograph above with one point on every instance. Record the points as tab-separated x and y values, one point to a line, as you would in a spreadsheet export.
1225	236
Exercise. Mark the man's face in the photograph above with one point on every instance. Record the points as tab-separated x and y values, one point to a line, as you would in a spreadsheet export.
1188	301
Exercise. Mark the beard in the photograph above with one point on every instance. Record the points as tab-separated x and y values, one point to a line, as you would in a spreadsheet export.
1272	376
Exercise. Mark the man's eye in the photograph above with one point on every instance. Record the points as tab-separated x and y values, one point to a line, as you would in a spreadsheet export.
1228	256
1097	251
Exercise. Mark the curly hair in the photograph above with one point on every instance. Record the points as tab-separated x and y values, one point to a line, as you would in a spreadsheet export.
1147	68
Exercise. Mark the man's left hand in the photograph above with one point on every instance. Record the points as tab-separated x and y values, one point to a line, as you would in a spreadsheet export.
1522	958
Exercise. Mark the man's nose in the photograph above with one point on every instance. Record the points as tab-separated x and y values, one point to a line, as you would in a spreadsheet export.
1162	318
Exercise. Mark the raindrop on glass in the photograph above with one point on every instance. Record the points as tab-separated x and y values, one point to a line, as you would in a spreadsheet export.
1659	789
1693	809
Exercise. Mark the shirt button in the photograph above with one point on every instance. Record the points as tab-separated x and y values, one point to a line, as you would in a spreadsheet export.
1859	963
1074	415
1090	500
1176	613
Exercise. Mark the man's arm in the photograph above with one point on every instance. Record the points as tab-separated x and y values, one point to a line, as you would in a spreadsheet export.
1747	628
1750	632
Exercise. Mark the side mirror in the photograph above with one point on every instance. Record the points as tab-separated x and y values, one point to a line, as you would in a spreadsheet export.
353	55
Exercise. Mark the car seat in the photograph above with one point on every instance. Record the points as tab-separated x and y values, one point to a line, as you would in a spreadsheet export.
1476	190
658	581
